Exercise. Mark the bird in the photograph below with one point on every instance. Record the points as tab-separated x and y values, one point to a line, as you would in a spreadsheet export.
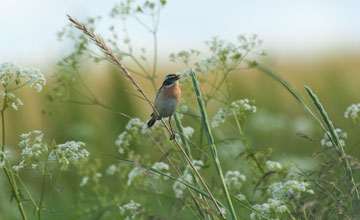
166	100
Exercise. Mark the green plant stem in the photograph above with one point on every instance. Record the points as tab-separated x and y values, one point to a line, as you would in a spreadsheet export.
335	140
180	128
243	138
211	143
27	191
10	176
42	189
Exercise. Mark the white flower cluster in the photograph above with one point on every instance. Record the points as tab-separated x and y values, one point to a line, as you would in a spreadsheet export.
131	209
279	193
353	112
84	181
137	171
273	166
188	132
326	142
267	209
281	190
234	179
161	166
134	127
68	152
239	107
12	75
187	176
34	150
111	170
11	100
4	155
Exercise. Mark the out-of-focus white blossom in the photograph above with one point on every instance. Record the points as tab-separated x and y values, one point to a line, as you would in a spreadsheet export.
84	181
273	166
137	171
68	152
34	150
234	179
187	177
239	107
241	197
188	132
326	142
12	76
130	209
281	190
111	170
4	155
161	166
353	112
133	128
11	100
273	206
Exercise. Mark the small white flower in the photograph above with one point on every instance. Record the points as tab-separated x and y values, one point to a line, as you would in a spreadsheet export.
273	166
131	209
187	176
111	170
326	142
239	107
188	132
84	181
353	112
137	171
161	166
234	179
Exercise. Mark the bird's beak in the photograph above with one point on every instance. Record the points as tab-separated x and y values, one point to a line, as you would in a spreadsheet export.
177	76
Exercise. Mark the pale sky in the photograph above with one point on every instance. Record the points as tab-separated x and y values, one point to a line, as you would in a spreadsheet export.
28	27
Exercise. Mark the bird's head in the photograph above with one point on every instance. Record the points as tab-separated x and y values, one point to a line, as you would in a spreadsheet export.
171	79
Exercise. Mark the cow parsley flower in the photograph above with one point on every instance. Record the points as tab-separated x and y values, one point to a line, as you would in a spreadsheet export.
12	76
188	132
137	171
4	155
187	176
84	181
234	179
326	142
35	150
68	152
11	100
161	166
239	107
271	207
281	190
133	128
111	170
273	166
130	209
353	112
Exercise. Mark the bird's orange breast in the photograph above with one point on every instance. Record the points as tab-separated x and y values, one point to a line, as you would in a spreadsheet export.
173	92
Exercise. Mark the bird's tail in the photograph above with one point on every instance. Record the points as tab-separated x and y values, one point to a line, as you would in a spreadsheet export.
152	121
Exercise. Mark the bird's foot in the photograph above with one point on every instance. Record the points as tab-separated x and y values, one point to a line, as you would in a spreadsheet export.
172	136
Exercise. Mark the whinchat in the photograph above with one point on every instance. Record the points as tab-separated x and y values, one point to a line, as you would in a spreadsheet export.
166	100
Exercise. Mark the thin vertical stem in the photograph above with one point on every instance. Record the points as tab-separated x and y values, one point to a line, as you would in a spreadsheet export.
243	138
10	176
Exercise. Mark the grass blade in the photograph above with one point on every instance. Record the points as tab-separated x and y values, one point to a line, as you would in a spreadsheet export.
205	122
335	139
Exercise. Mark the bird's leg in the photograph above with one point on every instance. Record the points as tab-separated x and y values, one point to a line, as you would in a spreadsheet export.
172	136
